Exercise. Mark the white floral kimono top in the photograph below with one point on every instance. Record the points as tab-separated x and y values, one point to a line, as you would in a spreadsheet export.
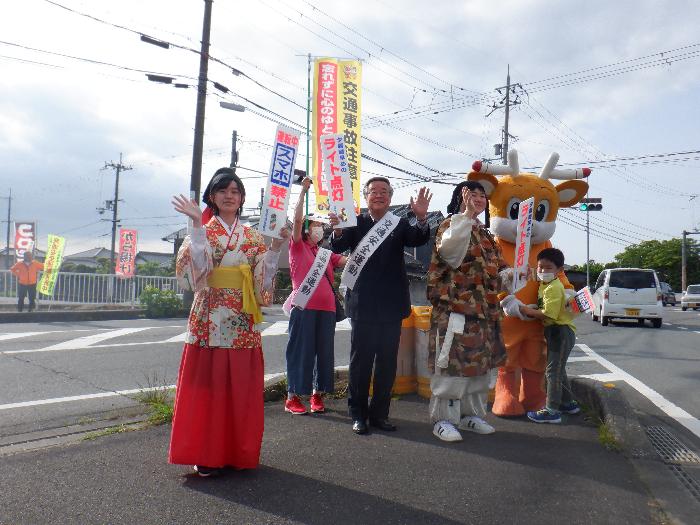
217	318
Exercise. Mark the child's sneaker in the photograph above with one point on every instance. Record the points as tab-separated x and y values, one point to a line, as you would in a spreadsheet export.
570	408
476	424
317	405
294	406
446	431
544	416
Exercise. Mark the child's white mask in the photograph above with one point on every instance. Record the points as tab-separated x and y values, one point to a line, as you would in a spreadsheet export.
545	277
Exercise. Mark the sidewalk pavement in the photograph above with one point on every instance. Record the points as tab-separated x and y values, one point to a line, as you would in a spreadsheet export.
314	470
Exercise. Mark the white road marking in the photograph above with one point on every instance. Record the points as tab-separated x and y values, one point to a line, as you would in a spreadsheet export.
82	342
17	335
277	328
683	327
668	324
608	377
179	338
581	358
670	409
88	343
83	397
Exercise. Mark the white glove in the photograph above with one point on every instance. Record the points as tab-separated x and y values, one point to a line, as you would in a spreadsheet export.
506	278
511	307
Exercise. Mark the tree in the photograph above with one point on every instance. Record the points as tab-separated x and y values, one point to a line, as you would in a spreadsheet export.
153	268
665	258
594	269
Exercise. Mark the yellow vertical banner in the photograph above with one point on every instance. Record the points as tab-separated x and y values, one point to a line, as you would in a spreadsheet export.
52	262
336	108
349	92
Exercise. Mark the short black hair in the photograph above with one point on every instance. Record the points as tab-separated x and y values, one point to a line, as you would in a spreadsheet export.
553	255
221	180
456	202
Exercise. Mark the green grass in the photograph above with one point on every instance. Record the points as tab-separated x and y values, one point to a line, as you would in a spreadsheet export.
607	438
158	397
117	429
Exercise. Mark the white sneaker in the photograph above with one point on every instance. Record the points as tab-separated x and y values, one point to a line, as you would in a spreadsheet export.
476	424
446	431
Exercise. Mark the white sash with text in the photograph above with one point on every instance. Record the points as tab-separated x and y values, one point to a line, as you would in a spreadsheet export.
313	277
369	243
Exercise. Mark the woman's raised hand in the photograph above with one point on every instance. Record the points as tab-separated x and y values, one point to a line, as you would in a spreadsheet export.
188	207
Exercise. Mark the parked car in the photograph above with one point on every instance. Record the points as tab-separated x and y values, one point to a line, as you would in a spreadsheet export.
691	297
628	293
668	296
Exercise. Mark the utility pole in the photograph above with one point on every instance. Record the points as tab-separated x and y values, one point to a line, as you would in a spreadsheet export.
9	208
118	168
197	150
505	125
234	152
684	277
505	103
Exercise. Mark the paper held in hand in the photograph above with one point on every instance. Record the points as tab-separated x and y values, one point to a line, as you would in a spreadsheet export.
337	179
273	215
582	302
522	246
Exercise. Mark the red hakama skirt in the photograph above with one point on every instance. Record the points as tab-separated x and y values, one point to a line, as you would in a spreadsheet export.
218	419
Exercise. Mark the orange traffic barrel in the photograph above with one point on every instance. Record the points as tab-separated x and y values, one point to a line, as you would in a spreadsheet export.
422	328
405	382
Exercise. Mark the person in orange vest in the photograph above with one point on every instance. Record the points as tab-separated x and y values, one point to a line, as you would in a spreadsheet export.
26	272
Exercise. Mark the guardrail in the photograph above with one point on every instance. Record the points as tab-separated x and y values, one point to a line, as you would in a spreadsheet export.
91	288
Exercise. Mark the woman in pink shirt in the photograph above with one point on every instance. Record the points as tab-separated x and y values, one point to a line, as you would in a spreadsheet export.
310	354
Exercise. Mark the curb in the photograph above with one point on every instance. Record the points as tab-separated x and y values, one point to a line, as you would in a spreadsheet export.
614	410
87	315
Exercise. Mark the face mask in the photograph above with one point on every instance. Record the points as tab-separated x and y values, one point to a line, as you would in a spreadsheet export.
316	234
545	277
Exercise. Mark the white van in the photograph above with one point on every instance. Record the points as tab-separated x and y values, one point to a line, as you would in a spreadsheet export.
627	293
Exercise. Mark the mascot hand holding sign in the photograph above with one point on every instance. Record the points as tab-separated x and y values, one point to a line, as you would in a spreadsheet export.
524	338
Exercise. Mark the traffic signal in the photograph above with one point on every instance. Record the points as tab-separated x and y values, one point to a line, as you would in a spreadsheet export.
591	204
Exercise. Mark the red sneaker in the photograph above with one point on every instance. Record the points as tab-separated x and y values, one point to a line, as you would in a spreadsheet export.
294	406
317	403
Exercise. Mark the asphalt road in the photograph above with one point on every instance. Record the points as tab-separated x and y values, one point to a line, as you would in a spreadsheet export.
42	364
664	365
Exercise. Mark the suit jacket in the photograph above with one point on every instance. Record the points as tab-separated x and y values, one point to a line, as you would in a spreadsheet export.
381	292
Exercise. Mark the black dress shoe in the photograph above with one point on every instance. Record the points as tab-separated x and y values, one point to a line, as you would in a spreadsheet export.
382	424
359	426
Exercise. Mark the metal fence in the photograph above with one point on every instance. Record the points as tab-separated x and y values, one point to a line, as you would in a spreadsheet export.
91	288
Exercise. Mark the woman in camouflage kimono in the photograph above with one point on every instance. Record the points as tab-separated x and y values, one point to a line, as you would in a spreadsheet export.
465	277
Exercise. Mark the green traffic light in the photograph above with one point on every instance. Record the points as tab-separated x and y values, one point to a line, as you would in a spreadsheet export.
583	207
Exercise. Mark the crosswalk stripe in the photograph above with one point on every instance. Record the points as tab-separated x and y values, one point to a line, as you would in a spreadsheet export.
18	335
278	328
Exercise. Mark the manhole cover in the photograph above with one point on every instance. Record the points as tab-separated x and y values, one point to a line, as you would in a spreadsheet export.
670	449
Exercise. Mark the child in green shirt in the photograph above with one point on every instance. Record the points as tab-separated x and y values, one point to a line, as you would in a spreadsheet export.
559	331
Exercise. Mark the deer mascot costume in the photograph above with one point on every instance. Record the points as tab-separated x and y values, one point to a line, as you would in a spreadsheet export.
523	337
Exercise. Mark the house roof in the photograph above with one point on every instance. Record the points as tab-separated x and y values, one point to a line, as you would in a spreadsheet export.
92	253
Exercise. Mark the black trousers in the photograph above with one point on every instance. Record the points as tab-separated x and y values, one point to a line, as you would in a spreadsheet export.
372	345
24	290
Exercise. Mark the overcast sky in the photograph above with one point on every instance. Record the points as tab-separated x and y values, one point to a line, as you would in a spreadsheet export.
613	94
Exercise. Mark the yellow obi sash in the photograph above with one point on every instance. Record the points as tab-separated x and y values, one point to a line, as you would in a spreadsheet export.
239	278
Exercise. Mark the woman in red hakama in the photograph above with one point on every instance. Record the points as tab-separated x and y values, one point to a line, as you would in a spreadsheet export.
218	418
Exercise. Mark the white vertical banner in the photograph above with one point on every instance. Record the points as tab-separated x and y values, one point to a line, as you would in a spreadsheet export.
274	210
337	177
522	244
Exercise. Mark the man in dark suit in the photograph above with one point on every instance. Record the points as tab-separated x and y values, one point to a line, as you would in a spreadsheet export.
378	301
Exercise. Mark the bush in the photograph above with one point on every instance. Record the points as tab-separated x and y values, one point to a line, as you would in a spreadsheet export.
160	303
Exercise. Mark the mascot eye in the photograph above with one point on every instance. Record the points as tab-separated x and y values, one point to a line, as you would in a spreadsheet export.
542	211
513	207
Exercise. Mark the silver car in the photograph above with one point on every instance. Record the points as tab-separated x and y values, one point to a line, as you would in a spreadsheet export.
691	297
